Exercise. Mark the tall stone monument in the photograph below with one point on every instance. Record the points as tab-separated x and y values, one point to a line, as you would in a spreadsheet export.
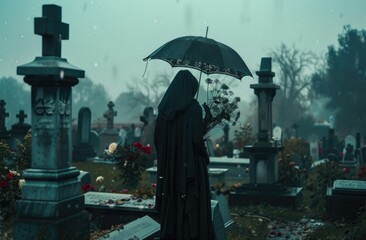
52	205
263	184
109	134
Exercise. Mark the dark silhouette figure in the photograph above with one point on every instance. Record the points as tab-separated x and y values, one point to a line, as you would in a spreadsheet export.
183	196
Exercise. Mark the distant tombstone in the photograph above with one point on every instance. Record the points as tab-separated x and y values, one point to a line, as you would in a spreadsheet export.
4	134
147	131
210	148
122	135
110	134
19	130
130	137
94	140
314	147
277	135
84	177
349	147
83	149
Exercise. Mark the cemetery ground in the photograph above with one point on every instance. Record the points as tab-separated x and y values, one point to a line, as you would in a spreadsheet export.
307	221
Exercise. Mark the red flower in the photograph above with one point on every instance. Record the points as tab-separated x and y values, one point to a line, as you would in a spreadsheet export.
137	145
9	176
3	183
346	170
87	187
153	185
146	149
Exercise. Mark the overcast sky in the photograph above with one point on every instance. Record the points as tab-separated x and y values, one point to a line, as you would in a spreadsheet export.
109	38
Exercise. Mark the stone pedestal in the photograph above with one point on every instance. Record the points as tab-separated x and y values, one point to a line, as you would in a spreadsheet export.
52	205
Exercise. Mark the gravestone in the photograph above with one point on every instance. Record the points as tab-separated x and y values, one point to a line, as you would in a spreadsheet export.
345	198
314	147
349	161
331	151
19	130
52	206
4	134
264	186
83	149
277	135
142	228
147	131
110	134
94	140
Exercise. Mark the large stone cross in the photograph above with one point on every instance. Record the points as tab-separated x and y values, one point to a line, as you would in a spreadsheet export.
3	114
52	30
21	116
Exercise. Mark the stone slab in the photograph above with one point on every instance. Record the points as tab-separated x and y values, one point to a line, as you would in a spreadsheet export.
224	209
291	197
142	228
350	187
343	206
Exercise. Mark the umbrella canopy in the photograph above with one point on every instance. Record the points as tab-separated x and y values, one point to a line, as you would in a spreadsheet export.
203	54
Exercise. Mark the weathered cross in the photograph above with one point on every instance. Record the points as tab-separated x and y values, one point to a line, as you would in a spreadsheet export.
3	114
52	30
21	116
110	114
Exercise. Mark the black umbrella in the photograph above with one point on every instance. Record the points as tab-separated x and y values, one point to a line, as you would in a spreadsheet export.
203	54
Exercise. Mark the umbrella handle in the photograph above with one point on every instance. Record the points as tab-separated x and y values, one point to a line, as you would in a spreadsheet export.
199	84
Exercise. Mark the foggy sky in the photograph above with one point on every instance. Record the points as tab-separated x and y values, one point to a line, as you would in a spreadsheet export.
109	39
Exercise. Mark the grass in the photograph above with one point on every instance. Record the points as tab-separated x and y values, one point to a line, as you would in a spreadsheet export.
251	222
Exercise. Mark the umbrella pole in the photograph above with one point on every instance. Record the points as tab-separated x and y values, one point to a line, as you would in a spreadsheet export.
199	84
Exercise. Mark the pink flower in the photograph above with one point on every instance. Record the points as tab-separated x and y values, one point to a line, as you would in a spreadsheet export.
153	185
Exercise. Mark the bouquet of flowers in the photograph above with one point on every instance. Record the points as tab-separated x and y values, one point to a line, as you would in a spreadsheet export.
221	107
131	161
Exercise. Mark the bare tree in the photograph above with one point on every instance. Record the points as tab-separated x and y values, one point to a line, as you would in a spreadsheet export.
293	69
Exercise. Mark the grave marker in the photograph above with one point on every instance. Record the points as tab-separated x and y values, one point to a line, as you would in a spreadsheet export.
52	206
83	149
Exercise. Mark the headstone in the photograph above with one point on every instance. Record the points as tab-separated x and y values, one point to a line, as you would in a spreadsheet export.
346	198
142	228
217	220
277	135
349	147
130	138
94	140
83	148
110	134
147	131
52	206
19	130
224	209
314	147
4	134
122	135
84	178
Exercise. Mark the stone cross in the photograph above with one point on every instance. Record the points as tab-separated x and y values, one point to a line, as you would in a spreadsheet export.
3	114
52	30
110	114
21	116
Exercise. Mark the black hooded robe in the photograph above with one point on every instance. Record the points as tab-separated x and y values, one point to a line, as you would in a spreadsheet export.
183	195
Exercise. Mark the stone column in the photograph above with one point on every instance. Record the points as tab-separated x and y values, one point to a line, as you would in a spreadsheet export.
263	154
52	205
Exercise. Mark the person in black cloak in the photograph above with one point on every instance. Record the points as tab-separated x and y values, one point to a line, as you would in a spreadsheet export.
183	194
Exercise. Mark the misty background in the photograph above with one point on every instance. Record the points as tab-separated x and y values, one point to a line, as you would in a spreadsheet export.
109	39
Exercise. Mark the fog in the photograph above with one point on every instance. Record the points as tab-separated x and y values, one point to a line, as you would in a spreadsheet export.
109	39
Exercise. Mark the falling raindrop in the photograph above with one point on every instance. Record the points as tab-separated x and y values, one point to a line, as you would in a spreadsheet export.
62	74
95	64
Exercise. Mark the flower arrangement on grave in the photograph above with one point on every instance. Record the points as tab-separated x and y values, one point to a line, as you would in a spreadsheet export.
221	107
87	187
131	161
